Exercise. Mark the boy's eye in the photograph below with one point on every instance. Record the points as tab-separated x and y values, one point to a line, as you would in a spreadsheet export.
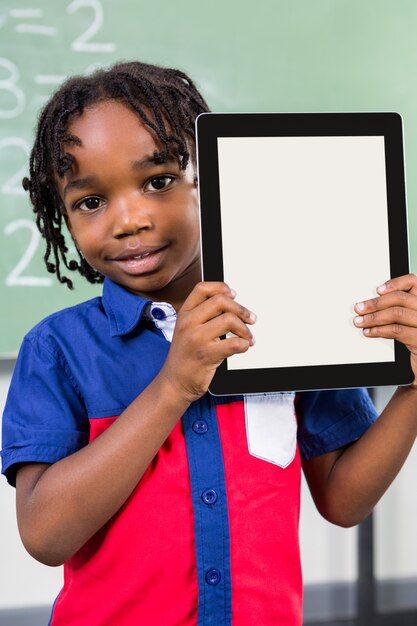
89	204
157	183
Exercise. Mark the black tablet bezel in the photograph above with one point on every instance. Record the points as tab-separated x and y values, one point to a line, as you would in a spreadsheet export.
210	126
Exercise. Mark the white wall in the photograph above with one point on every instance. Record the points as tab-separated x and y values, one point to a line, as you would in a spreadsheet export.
328	552
395	528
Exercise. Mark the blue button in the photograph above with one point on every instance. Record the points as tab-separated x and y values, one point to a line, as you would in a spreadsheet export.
213	577
200	427
209	496
159	314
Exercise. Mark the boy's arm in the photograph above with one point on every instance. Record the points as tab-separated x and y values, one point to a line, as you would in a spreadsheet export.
346	484
60	506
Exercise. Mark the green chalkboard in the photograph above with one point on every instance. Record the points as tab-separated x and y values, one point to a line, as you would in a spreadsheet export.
272	55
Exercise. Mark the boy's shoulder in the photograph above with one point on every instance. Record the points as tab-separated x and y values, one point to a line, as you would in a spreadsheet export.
70	321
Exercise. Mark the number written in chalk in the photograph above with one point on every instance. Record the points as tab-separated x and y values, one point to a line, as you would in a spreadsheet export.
83	43
17	277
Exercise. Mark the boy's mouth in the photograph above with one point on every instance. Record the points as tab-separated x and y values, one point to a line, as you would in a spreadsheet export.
137	256
139	252
140	259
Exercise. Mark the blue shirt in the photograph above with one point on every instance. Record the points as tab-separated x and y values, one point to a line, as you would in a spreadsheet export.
77	371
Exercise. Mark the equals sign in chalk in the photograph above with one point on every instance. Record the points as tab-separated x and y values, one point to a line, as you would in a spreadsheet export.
36	29
49	79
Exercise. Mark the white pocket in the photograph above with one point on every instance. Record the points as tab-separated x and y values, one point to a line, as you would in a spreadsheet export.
271	427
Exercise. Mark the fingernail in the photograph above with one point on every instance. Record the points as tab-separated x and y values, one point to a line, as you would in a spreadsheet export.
381	288
233	293
252	316
360	306
252	341
358	319
366	331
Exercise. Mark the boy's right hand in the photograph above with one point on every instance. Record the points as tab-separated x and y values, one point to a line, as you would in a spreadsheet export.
209	312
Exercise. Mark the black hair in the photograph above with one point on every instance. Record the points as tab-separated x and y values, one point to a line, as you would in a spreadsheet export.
165	99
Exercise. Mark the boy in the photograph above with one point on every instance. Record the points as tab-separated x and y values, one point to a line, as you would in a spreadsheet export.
164	517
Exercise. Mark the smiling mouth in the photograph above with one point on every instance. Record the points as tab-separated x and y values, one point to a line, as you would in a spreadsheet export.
138	256
141	262
131	255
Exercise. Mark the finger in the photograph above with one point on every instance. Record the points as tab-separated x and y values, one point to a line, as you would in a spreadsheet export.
395	298
227	323
394	315
218	304
204	290
408	282
228	347
405	334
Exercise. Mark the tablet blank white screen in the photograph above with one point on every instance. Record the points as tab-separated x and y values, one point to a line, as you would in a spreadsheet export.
305	236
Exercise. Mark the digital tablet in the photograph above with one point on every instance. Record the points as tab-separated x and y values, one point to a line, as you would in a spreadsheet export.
304	215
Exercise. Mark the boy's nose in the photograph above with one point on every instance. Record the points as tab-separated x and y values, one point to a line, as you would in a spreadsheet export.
130	217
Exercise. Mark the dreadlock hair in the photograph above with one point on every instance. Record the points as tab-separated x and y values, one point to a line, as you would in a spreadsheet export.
165	99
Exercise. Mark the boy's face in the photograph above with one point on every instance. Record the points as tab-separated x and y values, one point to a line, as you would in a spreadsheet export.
134	221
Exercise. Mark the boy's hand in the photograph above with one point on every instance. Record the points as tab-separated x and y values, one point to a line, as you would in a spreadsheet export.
209	312
392	314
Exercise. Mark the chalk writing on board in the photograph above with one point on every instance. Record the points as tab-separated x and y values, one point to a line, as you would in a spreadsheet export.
83	43
15	276
13	185
20	93
10	84
26	13
34	29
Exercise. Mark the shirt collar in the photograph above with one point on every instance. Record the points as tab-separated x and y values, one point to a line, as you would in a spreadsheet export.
124	309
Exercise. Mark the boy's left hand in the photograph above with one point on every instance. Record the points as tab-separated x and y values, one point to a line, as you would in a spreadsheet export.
392	314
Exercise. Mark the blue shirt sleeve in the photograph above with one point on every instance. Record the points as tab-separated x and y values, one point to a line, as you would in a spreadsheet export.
44	418
328	420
